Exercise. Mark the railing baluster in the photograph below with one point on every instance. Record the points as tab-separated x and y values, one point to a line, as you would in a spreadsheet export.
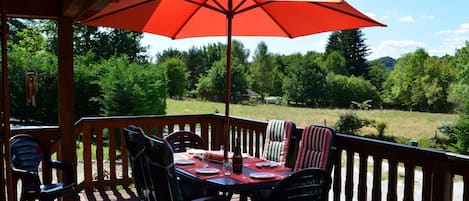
362	177
392	182
99	154
112	152
124	157
409	182
338	175
250	139
466	188
349	176
87	166
377	171
426	183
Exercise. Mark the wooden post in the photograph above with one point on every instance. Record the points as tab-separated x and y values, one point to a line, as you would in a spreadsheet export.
66	101
442	182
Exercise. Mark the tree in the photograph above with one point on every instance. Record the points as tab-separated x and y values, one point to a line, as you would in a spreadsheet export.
335	63
342	91
263	70
177	76
351	45
378	74
419	82
304	81
212	85
132	89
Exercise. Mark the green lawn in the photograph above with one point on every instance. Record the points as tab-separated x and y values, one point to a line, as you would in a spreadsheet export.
400	123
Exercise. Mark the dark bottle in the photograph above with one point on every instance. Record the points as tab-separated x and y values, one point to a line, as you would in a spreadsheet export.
237	158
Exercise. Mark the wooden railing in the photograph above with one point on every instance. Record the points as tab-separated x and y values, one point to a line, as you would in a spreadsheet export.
385	171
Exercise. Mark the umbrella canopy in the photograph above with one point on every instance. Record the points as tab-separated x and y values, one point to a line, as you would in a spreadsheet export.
196	18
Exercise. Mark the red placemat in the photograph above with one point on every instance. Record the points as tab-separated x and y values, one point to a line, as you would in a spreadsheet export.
245	178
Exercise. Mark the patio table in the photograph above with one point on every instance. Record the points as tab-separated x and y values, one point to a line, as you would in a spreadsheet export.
241	183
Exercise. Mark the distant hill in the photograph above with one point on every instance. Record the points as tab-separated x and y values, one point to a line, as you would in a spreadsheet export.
387	61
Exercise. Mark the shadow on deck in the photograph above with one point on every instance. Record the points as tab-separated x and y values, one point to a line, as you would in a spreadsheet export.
118	195
110	195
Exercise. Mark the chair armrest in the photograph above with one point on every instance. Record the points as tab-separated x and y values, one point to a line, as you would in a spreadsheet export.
24	174
68	168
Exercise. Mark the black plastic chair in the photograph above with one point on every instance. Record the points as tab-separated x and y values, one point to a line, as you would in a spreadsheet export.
26	155
181	140
138	161
309	184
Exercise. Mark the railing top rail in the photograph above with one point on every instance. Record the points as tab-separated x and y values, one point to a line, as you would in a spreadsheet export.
403	153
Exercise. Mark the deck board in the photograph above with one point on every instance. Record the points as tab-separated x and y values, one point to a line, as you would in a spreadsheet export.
118	195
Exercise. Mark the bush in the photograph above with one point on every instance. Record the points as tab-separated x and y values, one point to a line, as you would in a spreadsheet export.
350	123
458	134
380	127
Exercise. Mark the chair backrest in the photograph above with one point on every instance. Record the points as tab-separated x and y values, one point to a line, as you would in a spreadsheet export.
316	148
26	155
138	161
180	140
277	145
309	184
162	171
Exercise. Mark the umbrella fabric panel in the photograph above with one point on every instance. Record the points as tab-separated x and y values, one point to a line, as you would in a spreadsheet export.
183	19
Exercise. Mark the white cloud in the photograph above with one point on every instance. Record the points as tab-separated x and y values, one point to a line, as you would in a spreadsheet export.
428	17
371	15
406	19
463	29
395	48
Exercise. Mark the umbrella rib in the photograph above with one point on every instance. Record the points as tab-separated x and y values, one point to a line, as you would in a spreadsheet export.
116	11
239	5
205	5
273	19
250	7
200	5
347	13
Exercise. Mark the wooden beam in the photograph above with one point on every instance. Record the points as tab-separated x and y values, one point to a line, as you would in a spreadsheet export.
66	100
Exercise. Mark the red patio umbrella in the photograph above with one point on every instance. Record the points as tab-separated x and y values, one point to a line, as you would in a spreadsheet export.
196	18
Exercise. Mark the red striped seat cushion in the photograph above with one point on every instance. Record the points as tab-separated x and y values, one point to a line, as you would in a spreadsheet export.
315	148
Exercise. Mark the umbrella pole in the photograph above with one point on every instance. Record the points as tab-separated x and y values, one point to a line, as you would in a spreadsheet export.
226	135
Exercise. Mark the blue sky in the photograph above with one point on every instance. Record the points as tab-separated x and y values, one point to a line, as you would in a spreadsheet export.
440	27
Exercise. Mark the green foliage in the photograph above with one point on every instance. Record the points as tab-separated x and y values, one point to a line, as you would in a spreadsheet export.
420	82
364	105
87	91
132	89
212	86
378	75
44	65
177	76
335	63
380	127
458	134
351	123
352	47
342	90
304	81
263	70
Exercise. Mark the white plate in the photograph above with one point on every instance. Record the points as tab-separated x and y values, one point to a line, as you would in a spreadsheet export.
195	151
207	170
266	164
184	162
262	175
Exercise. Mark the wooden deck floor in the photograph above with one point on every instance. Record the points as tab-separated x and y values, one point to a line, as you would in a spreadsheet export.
111	195
118	195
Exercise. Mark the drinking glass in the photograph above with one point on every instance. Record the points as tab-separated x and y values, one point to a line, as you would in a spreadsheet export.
227	167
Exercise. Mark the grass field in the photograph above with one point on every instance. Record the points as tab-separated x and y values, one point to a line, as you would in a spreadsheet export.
413	125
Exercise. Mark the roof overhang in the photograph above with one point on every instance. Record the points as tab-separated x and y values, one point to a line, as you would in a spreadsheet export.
51	9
